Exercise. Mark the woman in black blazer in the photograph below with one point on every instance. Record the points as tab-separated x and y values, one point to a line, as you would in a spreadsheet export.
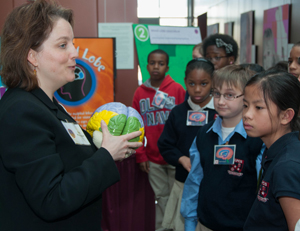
49	180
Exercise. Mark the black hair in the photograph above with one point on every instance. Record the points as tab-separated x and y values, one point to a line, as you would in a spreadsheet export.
159	51
282	88
199	63
281	66
253	66
211	41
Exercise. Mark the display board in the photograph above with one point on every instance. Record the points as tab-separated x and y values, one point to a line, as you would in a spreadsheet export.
94	79
179	54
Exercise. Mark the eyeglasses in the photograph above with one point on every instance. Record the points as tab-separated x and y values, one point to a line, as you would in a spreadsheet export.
216	59
227	96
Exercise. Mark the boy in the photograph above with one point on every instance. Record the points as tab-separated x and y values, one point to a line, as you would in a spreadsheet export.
221	185
154	100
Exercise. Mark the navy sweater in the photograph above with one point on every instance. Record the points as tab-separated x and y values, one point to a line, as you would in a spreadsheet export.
176	138
227	192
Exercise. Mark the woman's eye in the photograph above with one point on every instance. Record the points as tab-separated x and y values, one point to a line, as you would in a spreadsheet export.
257	107
245	106
204	84
192	84
63	45
229	96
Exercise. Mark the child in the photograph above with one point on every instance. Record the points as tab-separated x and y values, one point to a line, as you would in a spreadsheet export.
177	136
154	100
294	61
221	186
197	51
271	106
220	49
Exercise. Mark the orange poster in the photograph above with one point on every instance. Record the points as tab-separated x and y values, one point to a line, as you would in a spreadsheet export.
94	79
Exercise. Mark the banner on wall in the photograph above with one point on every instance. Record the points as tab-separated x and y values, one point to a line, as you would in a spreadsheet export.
179	54
174	35
94	79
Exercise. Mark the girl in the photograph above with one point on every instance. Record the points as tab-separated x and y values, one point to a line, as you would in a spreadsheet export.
220	49
178	133
294	61
271	106
220	188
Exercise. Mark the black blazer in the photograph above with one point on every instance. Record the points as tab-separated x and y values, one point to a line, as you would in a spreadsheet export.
46	181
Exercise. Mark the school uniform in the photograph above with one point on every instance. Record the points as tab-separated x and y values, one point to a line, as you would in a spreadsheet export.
220	196
281	178
47	181
174	142
161	174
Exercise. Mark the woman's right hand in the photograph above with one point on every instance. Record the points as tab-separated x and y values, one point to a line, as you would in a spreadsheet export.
119	146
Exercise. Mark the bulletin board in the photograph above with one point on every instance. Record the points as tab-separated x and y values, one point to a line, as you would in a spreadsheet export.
179	55
94	79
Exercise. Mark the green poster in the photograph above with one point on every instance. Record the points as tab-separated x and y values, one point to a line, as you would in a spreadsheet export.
179	55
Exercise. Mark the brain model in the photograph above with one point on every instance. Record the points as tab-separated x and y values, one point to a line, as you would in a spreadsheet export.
120	120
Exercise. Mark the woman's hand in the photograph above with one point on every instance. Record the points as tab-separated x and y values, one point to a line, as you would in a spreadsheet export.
119	146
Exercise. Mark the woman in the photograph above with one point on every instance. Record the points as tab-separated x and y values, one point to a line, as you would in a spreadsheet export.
47	181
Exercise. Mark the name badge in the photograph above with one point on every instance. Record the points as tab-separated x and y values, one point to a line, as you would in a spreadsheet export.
76	133
196	118
224	154
159	99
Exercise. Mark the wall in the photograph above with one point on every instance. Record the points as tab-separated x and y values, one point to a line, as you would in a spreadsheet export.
231	10
87	14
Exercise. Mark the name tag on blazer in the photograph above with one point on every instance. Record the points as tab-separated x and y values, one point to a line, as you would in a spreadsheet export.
76	133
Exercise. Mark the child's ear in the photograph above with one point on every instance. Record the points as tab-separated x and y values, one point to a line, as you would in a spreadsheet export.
231	59
287	116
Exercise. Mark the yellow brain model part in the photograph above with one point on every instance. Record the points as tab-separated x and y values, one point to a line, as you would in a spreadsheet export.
120	120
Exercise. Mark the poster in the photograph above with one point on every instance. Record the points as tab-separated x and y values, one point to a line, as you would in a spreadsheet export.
94	79
124	42
276	35
179	55
247	25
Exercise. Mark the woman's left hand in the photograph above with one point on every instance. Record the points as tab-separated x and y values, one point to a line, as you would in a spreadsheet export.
119	146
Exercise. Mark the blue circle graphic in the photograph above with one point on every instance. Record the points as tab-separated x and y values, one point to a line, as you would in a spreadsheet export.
90	93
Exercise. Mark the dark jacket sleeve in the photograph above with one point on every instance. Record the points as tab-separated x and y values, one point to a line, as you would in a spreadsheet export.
168	141
44	162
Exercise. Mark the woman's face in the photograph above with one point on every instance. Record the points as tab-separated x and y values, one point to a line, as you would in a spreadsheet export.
294	62
55	59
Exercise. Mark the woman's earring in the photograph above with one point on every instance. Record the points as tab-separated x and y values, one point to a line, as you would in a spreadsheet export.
231	63
34	70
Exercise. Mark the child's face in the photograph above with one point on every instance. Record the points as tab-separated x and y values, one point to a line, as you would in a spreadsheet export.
196	54
294	62
157	67
257	118
218	56
230	110
198	85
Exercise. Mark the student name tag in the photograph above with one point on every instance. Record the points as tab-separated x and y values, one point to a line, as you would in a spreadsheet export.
224	154
76	133
196	118
159	99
